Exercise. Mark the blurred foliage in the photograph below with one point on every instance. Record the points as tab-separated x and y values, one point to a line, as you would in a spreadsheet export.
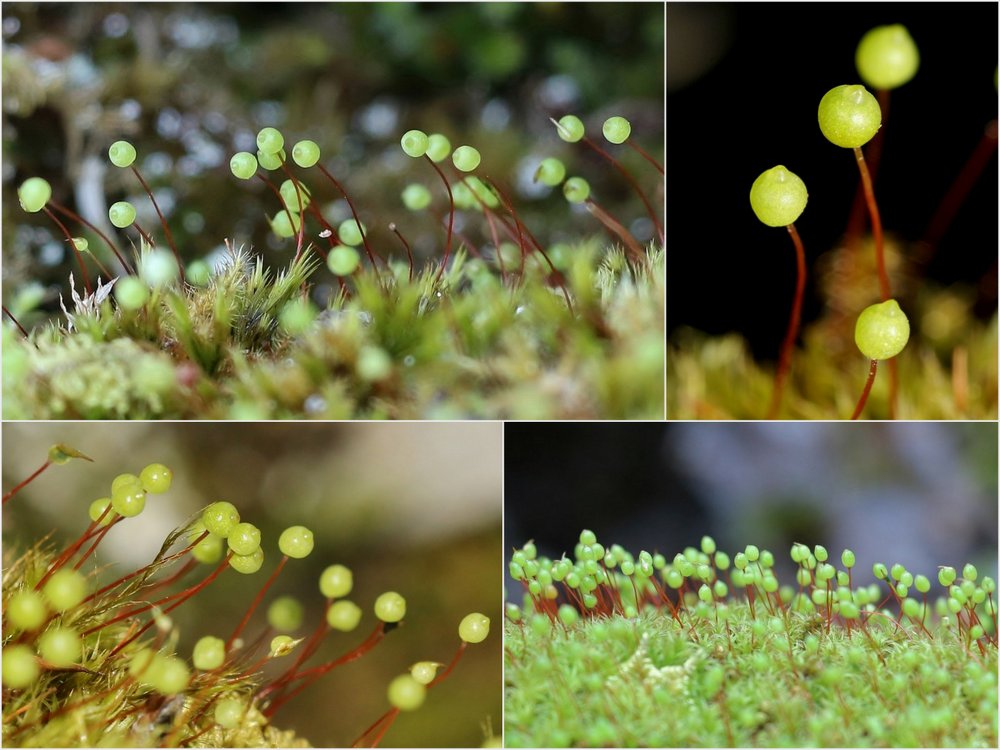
464	346
948	370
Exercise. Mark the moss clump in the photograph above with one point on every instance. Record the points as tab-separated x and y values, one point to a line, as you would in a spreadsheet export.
462	344
664	656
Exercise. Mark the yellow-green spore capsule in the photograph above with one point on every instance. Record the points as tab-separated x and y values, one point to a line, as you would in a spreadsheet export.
778	197
882	330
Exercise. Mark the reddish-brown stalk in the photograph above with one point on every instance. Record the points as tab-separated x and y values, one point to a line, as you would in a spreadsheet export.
181	597
517	221
185	569
163	221
90	550
140	571
639	150
867	389
79	256
958	191
785	358
386	720
144	234
256	602
451	216
37	472
631	181
67	553
855	223
615	227
885	288
288	212
302	218
354	213
24	333
665	598
309	676
409	253
381	724
79	219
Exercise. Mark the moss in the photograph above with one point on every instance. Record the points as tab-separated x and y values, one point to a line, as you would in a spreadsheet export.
747	670
466	345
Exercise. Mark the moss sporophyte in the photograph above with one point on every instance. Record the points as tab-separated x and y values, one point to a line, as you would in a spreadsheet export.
708	649
98	665
859	291
503	324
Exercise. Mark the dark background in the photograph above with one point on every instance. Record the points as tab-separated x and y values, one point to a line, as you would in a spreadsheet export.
744	85
923	494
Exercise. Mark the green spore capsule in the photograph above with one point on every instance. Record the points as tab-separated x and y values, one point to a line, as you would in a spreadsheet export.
343	260
285	227
778	197
247	564
576	189
97	510
474	627
466	158
122	154
390	607
416	197
156	478
270	140
350	232
570	128
406	694
296	541
305	153
414	143
285	614
20	667
616	129
33	194
220	518
131	293
243	165
882	330
26	610
209	653
887	57
244	539
343	615
550	172
849	116
947	575
65	589
128	500
271	162
229	712
438	147
121	214
295	195
336	581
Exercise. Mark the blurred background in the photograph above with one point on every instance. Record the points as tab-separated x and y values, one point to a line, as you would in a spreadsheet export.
191	83
744	81
922	494
413	508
